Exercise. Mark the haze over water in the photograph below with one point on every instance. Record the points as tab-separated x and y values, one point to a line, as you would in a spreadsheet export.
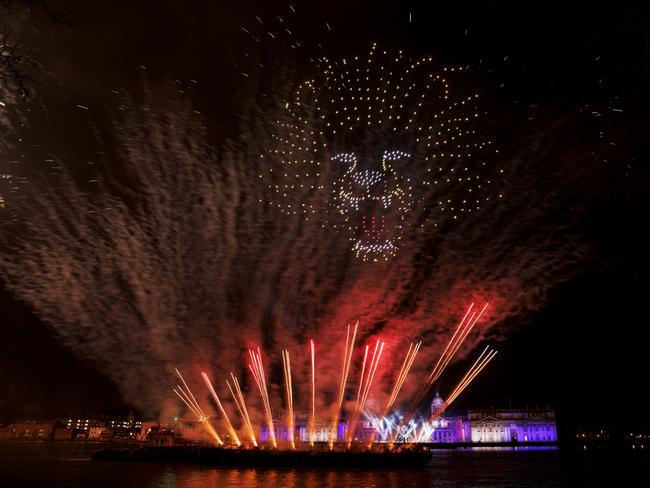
27	464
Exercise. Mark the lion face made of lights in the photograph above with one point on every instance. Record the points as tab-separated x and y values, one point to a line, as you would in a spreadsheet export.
384	141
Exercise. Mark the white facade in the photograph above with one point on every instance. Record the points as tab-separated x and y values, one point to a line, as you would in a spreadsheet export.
513	426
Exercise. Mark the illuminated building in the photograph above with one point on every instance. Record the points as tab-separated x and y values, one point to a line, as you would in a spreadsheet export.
95	428
488	426
537	425
301	429
78	424
28	430
445	429
96	432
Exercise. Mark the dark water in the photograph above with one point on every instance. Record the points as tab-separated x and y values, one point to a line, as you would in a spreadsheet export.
52	464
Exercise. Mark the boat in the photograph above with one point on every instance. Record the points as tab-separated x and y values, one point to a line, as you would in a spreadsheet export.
253	458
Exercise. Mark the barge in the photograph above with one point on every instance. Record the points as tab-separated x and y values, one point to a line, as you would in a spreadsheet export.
253	458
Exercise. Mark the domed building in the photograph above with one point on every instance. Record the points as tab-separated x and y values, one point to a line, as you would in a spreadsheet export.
445	429
437	405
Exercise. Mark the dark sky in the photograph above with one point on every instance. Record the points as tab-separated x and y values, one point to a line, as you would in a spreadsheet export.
583	352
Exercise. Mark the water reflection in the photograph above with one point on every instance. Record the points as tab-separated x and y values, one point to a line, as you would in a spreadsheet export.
192	477
66	465
513	448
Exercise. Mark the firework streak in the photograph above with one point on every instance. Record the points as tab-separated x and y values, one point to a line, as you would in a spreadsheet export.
241	406
229	427
347	358
188	398
486	356
465	326
385	156
365	383
287	379
312	418
257	369
401	376
405	428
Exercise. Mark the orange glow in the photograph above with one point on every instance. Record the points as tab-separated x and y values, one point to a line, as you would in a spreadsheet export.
188	399
257	369
289	390
347	359
241	406
229	426
312	420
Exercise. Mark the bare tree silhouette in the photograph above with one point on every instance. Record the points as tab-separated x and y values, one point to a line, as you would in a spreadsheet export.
19	63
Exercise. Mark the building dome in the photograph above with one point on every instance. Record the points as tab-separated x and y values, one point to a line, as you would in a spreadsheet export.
437	404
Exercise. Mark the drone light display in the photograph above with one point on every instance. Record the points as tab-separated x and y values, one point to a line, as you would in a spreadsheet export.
388	146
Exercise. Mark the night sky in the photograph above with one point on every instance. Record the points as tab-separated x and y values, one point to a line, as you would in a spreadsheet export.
582	347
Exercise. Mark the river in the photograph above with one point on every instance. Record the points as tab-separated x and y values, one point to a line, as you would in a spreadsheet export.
67	464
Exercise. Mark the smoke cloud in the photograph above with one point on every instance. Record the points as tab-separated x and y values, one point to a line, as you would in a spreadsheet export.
171	252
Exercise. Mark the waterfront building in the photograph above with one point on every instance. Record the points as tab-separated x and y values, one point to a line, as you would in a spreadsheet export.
322	429
104	427
529	425
28	430
150	427
125	428
489	426
95	432
493	425
445	429
78	424
62	434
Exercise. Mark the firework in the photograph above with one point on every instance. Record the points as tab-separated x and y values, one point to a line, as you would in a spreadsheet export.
229	427
486	356
465	327
312	418
401	377
383	426
361	378
188	398
376	356
405	428
238	396
425	432
365	383
403	373
347	358
289	390
257	370
394	428
154	239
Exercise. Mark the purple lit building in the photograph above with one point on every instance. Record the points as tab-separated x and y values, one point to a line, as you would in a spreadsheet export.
530	425
489	426
446	429
301	430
